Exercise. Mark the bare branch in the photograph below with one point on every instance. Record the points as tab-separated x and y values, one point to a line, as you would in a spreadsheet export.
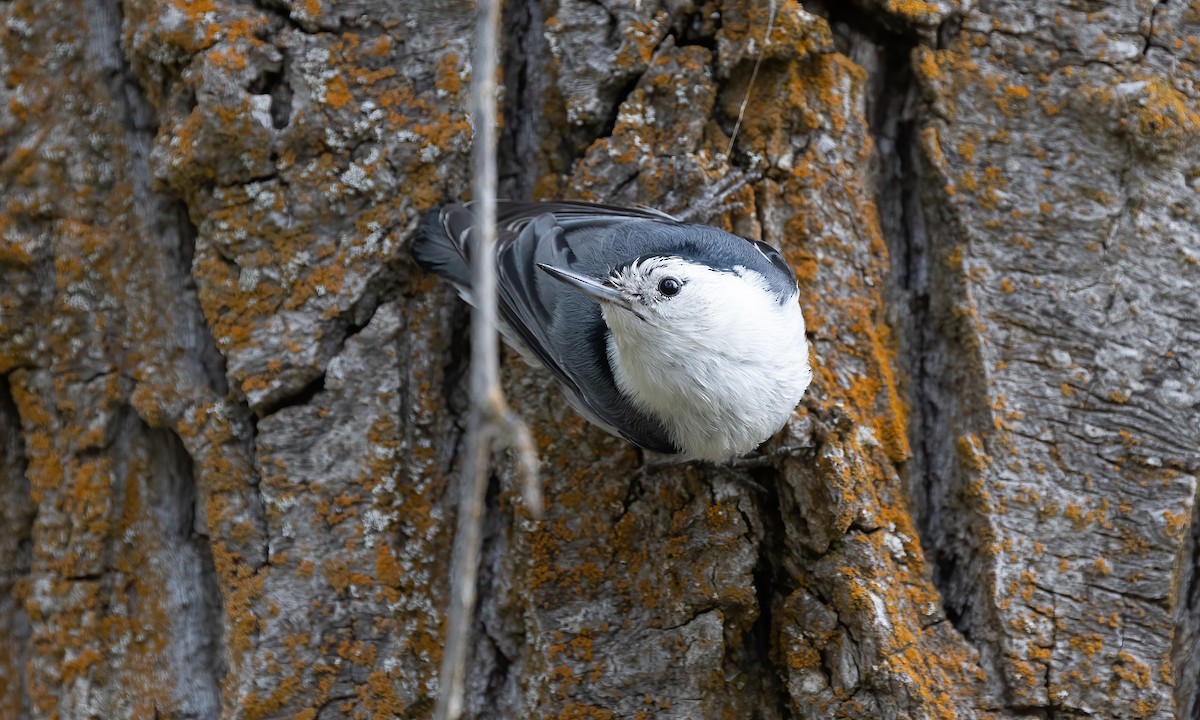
490	419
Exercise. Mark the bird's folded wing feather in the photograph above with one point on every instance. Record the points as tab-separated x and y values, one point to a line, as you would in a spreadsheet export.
533	233
519	305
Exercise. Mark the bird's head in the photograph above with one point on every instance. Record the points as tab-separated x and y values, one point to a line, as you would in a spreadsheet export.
668	297
715	351
677	295
651	289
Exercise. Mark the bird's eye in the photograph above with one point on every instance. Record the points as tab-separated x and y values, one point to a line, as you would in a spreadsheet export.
670	286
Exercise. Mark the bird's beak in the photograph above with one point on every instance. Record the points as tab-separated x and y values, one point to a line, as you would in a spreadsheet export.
589	286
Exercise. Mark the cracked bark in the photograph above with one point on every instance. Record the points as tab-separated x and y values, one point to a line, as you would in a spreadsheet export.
16	556
229	405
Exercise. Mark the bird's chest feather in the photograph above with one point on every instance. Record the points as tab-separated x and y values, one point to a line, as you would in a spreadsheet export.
719	395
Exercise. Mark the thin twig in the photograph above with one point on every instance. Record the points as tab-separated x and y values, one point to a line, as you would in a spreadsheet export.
753	76
490	420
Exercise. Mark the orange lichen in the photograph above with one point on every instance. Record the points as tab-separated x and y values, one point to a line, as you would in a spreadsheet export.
337	93
577	711
915	11
971	452
1176	524
448	74
1166	110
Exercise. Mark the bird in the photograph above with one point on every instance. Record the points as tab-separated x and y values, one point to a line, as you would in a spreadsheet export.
681	338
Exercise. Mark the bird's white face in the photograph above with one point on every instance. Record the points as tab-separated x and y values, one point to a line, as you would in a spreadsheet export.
661	290
686	306
714	353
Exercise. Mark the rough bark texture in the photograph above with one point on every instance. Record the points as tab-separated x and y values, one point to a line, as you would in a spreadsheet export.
230	407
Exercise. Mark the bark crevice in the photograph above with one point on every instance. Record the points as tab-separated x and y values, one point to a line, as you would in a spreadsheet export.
893	111
772	586
193	595
497	663
211	359
17	515
1185	650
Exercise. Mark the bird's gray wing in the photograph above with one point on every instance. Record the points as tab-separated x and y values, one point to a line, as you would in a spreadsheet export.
519	306
566	325
558	326
439	251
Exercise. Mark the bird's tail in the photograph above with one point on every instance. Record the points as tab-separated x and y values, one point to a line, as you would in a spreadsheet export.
437	251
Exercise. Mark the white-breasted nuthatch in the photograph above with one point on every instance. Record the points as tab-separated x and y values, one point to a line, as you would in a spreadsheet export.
680	338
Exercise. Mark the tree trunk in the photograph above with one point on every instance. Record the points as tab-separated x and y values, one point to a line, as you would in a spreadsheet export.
231	407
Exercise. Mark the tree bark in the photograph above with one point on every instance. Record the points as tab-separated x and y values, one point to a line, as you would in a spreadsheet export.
231	407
